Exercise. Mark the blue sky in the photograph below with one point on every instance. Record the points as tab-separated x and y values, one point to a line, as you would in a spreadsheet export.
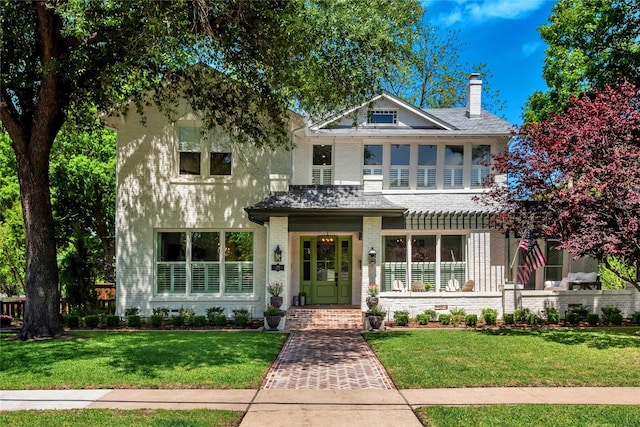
503	34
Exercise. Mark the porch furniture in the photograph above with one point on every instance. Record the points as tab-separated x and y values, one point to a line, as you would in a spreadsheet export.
574	281
418	287
468	286
398	285
453	285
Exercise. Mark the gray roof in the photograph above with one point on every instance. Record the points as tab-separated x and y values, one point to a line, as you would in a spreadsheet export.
323	200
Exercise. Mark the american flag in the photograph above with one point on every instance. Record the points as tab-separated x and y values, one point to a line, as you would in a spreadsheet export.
533	258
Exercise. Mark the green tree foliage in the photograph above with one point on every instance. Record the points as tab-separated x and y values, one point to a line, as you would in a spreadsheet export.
592	43
434	77
263	57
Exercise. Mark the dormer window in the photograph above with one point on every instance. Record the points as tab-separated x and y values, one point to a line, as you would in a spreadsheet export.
382	117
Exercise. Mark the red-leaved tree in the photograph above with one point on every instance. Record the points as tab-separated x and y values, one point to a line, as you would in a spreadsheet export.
576	177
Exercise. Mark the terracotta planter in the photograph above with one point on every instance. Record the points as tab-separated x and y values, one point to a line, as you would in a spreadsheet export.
276	301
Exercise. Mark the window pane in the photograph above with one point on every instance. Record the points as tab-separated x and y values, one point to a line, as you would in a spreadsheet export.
423	249
553	255
373	154
395	249
427	155
321	155
238	246
400	154
481	155
454	155
189	163
189	138
452	249
220	164
205	246
382	116
172	246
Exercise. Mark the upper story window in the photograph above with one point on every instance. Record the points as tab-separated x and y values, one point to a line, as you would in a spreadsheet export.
399	169
203	153
480	165
386	117
372	160
322	173
453	166
427	166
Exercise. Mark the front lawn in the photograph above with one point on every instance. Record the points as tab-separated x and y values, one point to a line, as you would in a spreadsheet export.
530	415
139	360
541	357
117	417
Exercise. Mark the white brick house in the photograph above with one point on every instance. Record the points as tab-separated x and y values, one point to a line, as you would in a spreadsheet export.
199	218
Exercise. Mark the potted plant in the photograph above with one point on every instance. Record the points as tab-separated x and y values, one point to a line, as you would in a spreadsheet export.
273	314
375	316
372	295
275	289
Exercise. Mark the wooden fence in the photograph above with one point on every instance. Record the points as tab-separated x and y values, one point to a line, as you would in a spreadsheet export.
14	307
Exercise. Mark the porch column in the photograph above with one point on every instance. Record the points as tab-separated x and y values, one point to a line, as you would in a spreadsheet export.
278	272
371	229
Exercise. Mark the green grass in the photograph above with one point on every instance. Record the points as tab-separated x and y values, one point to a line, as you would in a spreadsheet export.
115	418
544	357
139	360
530	415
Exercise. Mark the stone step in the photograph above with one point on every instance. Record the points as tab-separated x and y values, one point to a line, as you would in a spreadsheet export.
304	318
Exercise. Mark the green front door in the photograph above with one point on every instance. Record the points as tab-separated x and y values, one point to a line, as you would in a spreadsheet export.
325	269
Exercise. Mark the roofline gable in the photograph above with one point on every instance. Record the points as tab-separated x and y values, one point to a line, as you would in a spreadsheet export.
394	99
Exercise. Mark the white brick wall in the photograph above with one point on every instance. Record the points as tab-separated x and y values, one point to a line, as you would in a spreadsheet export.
371	228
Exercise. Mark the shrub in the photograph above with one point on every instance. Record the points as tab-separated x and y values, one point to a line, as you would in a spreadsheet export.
401	317
520	314
73	321
445	319
616	319
422	319
133	321
220	320
533	319
471	320
490	316
609	311
508	318
91	321
156	321
5	320
457	316
162	312
212	312
635	318
433	315
177	321
552	315
581	312
187	314
199	321
241	317
573	318
593	319
112	320
133	311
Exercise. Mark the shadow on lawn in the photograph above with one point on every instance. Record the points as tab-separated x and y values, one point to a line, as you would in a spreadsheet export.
600	338
142	353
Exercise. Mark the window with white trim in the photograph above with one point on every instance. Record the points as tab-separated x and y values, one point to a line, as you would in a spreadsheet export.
399	169
480	165
435	259
453	166
199	262
427	166
202	153
322	172
385	117
372	159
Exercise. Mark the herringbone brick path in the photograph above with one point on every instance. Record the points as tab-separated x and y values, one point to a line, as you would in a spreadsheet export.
325	360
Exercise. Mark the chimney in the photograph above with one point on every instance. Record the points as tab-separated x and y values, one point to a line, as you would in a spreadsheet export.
474	96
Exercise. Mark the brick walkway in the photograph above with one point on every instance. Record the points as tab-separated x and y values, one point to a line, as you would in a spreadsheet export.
327	360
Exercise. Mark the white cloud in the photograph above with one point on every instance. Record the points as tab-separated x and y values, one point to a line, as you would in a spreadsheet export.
529	49
481	11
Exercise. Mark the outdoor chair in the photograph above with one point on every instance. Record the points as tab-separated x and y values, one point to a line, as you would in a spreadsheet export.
468	286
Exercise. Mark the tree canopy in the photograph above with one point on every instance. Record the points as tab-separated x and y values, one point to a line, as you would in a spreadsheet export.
575	177
591	43
259	58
